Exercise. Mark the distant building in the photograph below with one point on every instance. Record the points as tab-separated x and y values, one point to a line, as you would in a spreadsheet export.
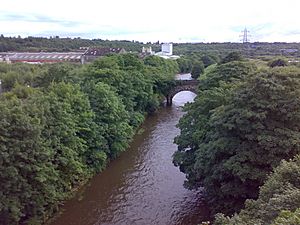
167	48
93	53
147	51
167	51
54	57
4	56
45	57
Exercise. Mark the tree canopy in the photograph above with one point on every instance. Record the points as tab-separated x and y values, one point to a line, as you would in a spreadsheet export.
243	122
278	201
62	123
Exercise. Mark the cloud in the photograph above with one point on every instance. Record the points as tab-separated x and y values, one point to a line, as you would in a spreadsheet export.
36	18
178	21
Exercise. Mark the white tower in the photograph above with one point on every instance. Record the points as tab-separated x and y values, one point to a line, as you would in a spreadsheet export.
167	48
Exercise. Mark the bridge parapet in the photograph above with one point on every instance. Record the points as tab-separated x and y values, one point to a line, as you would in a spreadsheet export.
187	82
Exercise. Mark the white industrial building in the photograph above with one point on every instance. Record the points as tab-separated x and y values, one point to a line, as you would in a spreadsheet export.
167	48
167	51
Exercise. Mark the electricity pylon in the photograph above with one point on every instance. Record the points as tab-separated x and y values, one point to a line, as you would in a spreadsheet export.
245	36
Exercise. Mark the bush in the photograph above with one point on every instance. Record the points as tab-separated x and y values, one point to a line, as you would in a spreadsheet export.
277	63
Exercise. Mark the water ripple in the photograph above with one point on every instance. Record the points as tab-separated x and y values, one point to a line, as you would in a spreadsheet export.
142	186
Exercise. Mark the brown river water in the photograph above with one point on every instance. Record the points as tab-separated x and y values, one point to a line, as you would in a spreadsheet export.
142	186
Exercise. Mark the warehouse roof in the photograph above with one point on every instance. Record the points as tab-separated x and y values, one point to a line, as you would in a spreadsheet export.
102	51
46	56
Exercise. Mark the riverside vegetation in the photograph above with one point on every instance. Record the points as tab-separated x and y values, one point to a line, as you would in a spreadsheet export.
240	140
62	123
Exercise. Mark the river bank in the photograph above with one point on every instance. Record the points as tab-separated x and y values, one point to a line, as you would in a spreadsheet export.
141	186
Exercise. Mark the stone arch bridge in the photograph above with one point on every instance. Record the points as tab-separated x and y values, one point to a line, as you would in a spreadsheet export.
182	85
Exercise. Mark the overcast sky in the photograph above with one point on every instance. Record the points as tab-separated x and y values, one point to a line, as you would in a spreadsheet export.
153	20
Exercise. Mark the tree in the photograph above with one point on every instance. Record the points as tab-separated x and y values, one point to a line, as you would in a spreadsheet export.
288	217
28	177
59	72
11	78
278	201
111	117
208	60
277	62
68	115
215	89
234	147
233	56
62	123
197	69
185	65
132	62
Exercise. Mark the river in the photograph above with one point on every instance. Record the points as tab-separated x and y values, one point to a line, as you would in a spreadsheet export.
142	186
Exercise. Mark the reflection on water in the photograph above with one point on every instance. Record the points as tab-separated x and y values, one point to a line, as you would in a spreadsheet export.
142	186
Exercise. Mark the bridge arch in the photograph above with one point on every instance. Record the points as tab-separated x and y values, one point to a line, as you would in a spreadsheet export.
182	85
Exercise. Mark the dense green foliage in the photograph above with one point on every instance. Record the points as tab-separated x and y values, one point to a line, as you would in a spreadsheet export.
278	201
243	122
198	60
207	50
197	69
62	123
57	44
185	65
249	50
288	217
233	56
278	62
